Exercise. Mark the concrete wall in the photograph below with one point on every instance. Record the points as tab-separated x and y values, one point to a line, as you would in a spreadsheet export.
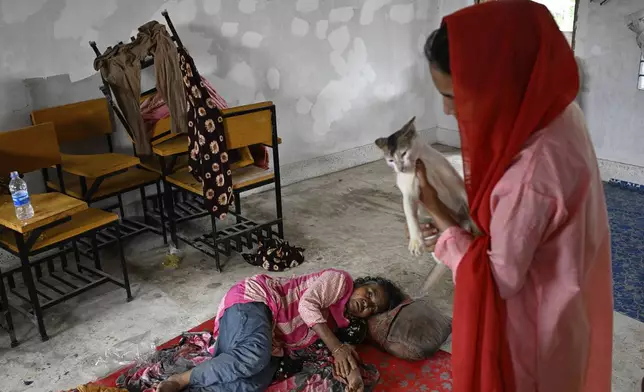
340	72
614	106
446	126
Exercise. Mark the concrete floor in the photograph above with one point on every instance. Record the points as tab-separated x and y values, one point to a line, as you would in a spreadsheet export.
351	220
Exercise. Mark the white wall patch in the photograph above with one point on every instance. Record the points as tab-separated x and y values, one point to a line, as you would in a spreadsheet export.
299	27
306	6
416	105
80	15
242	74
321	28
339	39
386	92
343	14
273	78
402	13
211	7
422	11
422	69
247	6
335	98
229	29
19	11
339	63
182	12
259	97
369	9
303	106
421	43
251	39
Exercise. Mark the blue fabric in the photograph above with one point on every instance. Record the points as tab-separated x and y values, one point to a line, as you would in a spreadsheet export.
242	361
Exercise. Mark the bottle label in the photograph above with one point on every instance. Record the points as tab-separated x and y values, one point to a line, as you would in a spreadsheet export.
20	198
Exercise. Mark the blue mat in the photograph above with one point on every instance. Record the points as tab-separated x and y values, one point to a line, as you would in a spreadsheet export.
626	215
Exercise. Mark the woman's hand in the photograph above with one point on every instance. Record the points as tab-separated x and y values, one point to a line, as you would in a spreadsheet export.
428	194
354	382
430	235
346	359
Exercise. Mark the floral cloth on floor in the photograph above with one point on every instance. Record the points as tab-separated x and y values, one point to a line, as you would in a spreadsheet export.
311	369
193	349
306	370
96	388
275	255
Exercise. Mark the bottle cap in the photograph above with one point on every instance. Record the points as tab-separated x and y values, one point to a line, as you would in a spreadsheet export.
14	174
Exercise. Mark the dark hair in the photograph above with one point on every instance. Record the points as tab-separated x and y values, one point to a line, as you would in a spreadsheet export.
437	49
394	293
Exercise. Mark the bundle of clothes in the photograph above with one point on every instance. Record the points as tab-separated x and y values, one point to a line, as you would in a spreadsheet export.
189	100
275	255
309	369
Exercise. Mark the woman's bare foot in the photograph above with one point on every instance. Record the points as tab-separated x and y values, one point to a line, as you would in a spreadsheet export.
169	386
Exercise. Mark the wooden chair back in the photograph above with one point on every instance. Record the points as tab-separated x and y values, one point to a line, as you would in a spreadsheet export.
77	121
241	130
29	149
250	128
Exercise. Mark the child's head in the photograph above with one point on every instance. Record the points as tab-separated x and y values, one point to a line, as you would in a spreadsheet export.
373	295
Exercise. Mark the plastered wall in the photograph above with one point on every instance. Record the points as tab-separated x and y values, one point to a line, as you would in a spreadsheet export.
341	72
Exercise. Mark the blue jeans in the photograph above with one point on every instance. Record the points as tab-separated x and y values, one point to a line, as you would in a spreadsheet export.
242	361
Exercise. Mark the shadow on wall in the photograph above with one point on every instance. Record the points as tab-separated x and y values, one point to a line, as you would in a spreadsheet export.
15	105
60	90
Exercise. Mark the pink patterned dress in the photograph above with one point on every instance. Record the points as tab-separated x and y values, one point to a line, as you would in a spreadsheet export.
296	303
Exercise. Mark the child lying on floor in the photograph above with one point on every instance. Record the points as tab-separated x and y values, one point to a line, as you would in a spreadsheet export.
263	320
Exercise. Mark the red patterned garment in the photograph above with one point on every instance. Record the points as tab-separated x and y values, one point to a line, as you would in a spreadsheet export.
396	375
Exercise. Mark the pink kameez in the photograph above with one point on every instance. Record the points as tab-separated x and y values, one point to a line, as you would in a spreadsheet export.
550	257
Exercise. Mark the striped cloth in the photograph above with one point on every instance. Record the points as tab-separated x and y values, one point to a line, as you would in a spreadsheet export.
296	304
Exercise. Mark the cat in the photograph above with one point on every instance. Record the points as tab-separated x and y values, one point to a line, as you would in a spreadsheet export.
401	151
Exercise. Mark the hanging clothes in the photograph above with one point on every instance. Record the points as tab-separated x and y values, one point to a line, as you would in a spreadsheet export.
120	66
154	109
208	159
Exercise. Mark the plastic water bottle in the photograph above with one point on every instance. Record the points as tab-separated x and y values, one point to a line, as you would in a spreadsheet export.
20	196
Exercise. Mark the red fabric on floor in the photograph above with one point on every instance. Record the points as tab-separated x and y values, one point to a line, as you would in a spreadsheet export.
396	375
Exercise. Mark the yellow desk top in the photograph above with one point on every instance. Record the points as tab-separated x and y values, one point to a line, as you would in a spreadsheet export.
48	208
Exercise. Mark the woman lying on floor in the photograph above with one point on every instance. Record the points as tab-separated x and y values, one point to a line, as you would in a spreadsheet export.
282	329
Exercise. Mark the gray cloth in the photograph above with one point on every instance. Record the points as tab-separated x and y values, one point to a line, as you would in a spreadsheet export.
242	361
120	66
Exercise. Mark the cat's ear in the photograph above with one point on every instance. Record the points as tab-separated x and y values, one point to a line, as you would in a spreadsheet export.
382	143
408	131
411	125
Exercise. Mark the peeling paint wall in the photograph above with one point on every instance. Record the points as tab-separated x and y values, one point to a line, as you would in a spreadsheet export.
613	105
341	72
447	128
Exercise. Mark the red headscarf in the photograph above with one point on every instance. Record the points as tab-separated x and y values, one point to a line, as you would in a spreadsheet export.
513	73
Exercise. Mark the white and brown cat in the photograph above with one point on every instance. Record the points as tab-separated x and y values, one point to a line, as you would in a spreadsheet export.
401	150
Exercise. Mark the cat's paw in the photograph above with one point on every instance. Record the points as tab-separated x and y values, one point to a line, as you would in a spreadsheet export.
416	246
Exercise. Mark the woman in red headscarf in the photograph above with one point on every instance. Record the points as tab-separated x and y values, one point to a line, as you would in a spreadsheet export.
533	308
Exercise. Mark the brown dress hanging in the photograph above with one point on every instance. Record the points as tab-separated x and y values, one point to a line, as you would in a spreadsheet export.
208	161
120	66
